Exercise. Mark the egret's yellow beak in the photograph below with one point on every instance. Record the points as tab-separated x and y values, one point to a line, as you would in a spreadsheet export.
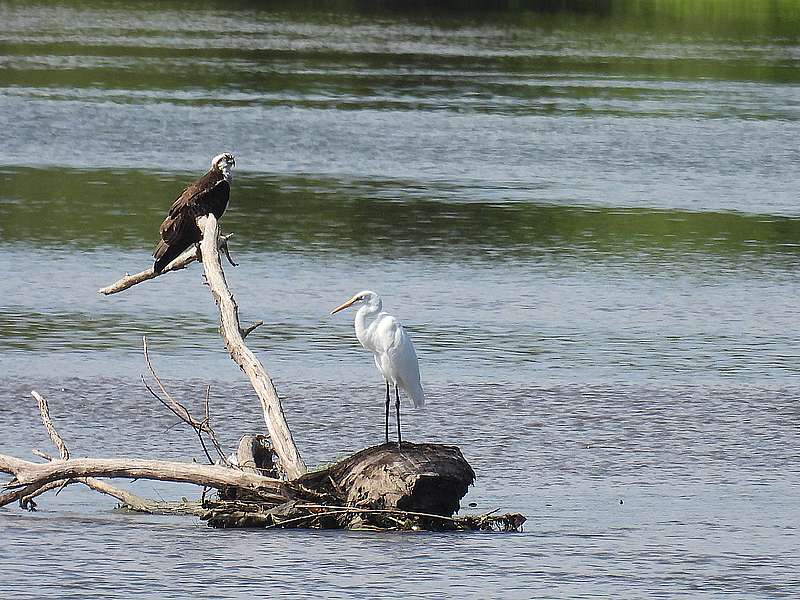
345	305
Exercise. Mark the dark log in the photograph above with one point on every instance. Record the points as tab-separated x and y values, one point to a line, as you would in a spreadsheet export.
427	478
418	486
255	455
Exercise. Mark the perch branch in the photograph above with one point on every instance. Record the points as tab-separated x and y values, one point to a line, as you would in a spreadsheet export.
184	260
231	331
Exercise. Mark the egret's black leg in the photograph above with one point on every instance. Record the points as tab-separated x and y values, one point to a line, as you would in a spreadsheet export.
199	254
387	412
397	408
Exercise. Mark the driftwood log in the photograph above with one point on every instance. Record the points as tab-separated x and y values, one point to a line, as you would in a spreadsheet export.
428	478
265	483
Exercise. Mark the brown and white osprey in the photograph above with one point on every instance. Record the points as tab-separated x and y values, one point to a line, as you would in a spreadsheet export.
207	195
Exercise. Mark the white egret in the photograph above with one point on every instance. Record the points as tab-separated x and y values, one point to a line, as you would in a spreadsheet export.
392	349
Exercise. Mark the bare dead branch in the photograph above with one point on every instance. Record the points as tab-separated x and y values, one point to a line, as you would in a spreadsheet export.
139	504
206	409
26	494
44	411
28	473
41	454
183	261
180	411
29	491
231	329
224	247
250	328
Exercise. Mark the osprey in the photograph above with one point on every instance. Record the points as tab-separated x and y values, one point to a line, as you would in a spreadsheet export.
207	195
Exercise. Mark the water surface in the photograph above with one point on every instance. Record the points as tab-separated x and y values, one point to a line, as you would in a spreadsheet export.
587	220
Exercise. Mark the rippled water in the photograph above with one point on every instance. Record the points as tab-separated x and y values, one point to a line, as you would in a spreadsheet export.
587	220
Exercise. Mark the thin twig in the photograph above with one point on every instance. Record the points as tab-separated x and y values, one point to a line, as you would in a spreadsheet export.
330	511
205	405
306	518
250	328
380	510
41	454
224	247
180	411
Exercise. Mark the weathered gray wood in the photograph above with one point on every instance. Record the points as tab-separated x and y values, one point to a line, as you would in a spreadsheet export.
231	331
417	487
183	261
428	478
254	455
28	473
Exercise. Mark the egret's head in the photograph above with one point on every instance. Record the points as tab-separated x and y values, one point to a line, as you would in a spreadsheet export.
224	162
365	298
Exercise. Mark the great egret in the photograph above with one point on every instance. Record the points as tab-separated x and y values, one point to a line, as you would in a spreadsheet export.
392	349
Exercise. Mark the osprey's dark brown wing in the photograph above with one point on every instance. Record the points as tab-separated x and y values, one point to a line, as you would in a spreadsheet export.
179	231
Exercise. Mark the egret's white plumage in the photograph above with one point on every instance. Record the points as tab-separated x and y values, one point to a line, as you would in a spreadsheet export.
391	347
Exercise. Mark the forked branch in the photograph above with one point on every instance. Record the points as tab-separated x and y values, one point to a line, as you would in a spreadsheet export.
233	335
25	495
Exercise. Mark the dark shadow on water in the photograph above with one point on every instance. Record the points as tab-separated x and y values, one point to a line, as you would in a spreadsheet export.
123	209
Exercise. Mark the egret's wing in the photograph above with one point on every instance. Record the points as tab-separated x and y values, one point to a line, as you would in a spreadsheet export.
401	352
405	364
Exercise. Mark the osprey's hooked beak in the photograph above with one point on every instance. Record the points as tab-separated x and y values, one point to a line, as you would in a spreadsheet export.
345	305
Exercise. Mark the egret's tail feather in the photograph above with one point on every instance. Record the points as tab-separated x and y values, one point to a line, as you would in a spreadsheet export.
417	395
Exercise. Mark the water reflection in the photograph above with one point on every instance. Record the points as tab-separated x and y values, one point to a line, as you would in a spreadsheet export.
584	213
122	209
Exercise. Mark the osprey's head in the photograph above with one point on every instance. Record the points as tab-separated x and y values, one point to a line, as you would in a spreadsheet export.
224	162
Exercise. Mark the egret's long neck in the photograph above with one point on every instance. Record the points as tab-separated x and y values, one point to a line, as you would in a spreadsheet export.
362	333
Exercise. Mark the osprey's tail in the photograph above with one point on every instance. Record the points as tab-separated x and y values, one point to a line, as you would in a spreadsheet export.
165	254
